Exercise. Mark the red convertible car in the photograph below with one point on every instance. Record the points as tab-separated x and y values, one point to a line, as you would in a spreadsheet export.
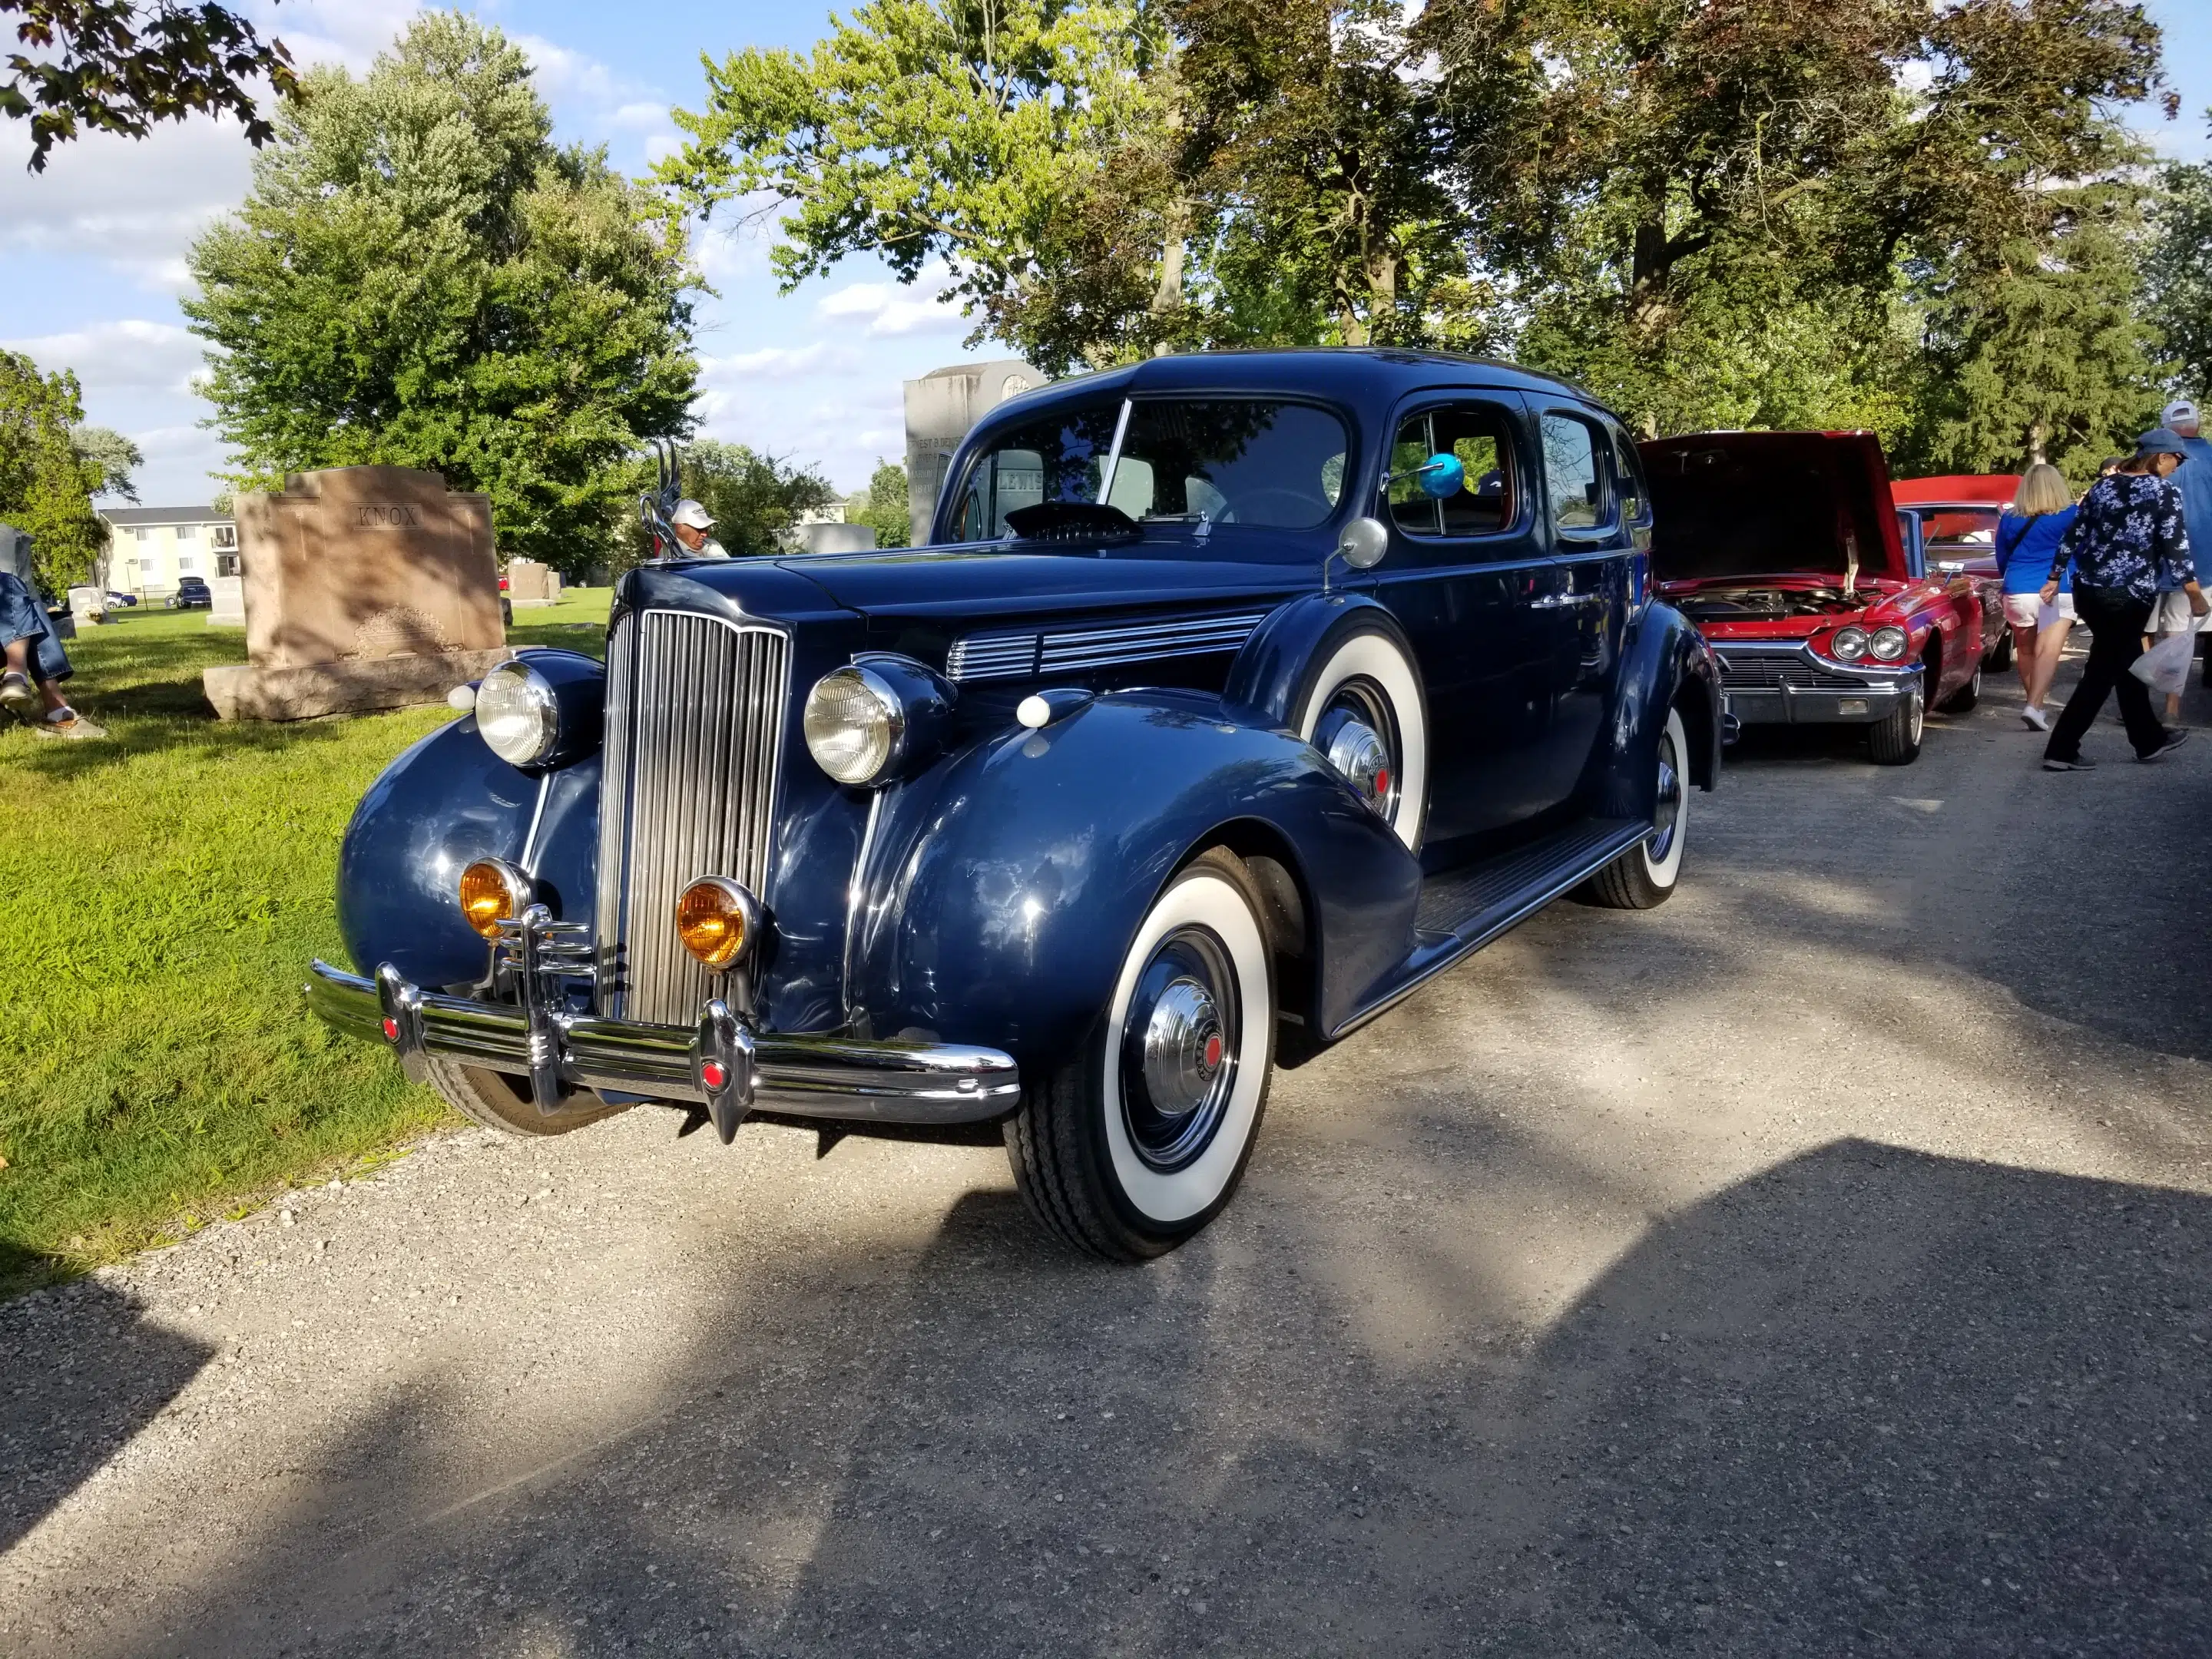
1789	553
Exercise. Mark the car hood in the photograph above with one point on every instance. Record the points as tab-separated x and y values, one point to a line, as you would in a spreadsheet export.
1017	580
1728	505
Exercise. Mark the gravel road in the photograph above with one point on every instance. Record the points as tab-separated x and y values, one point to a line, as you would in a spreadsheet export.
1820	1263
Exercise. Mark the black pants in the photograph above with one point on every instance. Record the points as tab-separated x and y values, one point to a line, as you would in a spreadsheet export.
2116	625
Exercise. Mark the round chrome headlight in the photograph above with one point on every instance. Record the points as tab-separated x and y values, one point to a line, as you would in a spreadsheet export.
1849	645
853	724
517	714
1888	643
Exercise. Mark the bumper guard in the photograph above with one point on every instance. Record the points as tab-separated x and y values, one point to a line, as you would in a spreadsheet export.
720	1064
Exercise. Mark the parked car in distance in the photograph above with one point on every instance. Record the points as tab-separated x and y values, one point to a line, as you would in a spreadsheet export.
117	600
1789	552
1958	514
1234	698
192	594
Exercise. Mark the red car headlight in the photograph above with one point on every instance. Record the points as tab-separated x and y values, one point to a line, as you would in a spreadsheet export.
1888	644
1849	645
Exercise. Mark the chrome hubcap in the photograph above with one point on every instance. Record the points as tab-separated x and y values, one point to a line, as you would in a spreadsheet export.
1359	739
1179	1049
1667	816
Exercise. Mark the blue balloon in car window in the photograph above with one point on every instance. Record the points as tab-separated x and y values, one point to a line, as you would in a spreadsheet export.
1443	475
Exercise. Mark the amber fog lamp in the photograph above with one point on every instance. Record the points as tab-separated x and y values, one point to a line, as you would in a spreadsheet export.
718	921
492	892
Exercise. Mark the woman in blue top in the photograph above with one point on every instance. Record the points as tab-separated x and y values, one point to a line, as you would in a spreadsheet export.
2027	542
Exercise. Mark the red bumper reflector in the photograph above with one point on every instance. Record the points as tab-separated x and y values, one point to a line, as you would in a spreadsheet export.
714	1074
391	1030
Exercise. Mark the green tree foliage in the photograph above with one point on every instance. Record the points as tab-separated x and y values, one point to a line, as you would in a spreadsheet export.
114	455
751	495
947	130
45	485
121	65
882	506
2177	274
419	278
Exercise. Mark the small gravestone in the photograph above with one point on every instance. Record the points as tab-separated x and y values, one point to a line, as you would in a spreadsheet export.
365	587
228	606
531	584
87	605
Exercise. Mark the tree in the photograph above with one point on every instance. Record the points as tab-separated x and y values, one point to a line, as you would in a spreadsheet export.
117	67
964	134
2177	274
883	506
751	495
419	278
46	486
114	456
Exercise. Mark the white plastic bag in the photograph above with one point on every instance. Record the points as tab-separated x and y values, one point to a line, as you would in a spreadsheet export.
2165	666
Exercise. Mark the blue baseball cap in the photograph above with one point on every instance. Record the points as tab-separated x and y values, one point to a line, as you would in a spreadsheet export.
2161	441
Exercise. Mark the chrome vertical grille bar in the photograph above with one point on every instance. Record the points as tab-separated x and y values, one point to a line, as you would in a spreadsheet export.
703	729
614	815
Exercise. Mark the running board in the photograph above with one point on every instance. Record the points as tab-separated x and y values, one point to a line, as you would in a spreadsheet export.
1463	910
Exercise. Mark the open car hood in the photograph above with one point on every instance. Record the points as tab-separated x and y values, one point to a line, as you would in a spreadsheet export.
1727	505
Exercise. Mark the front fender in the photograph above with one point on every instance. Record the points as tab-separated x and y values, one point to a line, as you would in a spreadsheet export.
445	801
1002	891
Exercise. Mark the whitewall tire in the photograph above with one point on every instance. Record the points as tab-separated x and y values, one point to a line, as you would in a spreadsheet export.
1366	677
1645	875
1139	1140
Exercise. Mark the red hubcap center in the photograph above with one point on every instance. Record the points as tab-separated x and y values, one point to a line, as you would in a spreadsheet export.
1382	782
712	1074
1213	1051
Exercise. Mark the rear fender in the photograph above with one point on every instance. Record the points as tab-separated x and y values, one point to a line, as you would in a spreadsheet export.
1667	666
1001	890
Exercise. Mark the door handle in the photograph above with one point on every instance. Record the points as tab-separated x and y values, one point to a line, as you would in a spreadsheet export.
1564	601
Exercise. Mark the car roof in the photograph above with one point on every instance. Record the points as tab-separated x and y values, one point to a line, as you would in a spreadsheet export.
1352	373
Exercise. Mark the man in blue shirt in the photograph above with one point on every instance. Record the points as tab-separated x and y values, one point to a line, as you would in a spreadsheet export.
2128	533
2194	481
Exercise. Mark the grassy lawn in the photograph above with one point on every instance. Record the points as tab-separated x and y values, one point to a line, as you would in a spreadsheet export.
166	891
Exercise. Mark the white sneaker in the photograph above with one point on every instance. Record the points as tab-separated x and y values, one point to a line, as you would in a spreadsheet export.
2036	718
17	692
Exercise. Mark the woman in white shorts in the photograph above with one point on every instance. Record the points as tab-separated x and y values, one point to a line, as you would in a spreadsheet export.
2027	541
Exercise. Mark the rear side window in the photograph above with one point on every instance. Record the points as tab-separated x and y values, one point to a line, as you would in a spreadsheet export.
1628	479
1478	433
1573	479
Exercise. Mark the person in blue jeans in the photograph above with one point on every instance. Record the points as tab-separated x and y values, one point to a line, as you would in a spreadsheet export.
2028	537
35	664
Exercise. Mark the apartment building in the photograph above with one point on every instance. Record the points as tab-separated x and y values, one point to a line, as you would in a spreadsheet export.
150	547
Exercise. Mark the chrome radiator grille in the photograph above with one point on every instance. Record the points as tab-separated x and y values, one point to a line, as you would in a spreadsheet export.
1745	671
694	727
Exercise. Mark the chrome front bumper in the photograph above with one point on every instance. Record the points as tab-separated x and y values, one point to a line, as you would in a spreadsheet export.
1788	686
722	1064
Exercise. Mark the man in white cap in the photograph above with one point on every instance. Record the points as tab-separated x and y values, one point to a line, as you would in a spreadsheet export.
2194	481
691	522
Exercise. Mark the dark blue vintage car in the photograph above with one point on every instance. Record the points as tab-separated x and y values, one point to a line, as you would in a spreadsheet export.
1236	695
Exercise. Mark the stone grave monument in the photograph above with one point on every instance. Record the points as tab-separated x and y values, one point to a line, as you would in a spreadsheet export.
365	587
87	605
940	407
531	584
228	610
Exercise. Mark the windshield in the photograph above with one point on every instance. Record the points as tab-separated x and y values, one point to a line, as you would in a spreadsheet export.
1957	533
1181	460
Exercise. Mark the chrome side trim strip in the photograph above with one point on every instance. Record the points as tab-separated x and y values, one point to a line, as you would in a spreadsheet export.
815	1074
1024	654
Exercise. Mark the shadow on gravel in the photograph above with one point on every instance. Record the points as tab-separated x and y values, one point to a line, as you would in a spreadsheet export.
84	1374
1869	1401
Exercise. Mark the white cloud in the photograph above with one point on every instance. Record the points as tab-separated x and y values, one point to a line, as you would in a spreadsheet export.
893	308
128	356
135	204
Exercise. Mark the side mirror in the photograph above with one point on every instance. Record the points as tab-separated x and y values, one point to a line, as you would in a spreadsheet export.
1362	545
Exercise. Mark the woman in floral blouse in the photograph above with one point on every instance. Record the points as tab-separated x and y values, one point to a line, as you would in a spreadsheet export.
2128	529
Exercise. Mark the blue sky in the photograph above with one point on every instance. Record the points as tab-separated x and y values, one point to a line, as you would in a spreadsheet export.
91	251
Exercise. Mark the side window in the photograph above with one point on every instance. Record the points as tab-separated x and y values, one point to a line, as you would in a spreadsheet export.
1487	500
1628	476
1573	477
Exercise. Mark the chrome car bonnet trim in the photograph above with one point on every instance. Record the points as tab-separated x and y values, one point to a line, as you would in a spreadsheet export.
812	1074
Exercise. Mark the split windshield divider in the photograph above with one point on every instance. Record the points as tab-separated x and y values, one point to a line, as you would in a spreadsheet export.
1114	453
